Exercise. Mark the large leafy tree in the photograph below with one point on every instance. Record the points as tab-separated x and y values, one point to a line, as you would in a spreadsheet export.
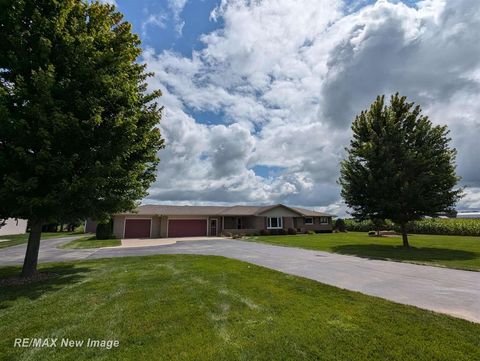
78	132
399	166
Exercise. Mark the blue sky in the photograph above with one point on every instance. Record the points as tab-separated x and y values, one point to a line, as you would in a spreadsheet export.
259	96
163	34
195	14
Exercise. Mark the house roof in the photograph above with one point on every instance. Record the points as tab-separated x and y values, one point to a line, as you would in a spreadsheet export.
311	213
170	210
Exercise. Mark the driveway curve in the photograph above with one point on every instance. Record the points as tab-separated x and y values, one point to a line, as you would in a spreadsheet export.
443	290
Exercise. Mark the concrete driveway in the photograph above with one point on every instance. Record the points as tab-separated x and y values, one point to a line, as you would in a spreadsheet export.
149	242
448	291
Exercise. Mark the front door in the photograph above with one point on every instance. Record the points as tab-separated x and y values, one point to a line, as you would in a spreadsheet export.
213	227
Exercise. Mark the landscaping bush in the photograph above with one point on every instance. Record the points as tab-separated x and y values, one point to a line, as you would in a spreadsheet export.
292	231
104	230
310	232
340	225
363	226
264	232
447	226
282	232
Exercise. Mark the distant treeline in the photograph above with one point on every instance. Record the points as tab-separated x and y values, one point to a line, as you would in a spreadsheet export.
452	226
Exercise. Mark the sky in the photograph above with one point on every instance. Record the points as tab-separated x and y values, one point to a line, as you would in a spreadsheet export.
260	95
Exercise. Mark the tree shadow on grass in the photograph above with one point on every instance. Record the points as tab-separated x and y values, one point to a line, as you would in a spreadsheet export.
423	254
59	276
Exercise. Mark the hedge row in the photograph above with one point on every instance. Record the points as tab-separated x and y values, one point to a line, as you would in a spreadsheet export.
449	226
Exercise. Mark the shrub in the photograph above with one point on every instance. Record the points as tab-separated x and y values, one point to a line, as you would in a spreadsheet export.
282	232
310	232
340	225
104	230
372	233
264	232
379	224
292	231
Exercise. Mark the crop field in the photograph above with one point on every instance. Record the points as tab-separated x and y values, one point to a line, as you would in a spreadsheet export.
446	226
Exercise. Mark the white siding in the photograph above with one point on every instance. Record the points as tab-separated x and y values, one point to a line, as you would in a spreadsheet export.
14	226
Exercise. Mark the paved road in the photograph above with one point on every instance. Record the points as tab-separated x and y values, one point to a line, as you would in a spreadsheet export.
49	252
443	290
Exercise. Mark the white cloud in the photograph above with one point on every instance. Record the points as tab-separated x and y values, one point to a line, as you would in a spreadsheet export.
176	6
111	2
153	20
289	76
471	199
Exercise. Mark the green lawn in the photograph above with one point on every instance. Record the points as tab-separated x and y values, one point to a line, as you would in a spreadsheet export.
91	242
449	251
181	307
15	239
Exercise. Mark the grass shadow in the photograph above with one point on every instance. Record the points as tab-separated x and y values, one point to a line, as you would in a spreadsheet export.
61	275
422	254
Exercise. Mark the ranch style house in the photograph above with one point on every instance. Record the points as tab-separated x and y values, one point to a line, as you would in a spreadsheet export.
160	221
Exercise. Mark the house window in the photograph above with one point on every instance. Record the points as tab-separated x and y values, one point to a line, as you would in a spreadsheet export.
324	220
239	223
308	221
274	222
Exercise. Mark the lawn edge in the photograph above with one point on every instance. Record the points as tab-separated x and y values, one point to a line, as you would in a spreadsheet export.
251	239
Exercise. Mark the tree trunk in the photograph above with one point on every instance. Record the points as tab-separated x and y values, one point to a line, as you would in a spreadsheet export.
403	228
31	257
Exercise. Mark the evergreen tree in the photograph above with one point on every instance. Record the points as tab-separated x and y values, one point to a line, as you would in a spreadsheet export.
78	132
398	166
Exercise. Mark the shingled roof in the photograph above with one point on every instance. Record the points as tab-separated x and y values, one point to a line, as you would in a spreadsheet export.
170	210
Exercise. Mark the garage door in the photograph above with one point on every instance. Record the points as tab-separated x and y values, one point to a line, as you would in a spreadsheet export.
137	228
187	227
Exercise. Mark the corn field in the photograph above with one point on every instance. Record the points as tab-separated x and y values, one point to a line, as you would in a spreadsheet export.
448	226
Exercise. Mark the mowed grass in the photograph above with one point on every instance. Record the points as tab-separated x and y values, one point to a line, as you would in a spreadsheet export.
184	307
91	242
460	252
16	239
